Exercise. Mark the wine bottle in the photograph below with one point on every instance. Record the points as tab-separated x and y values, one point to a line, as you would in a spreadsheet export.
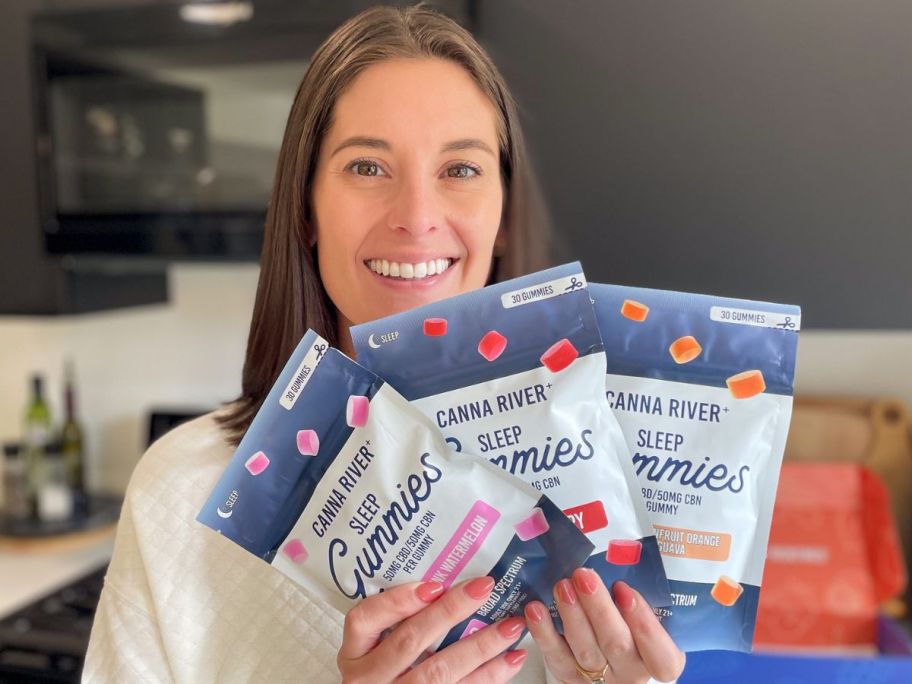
36	439
71	439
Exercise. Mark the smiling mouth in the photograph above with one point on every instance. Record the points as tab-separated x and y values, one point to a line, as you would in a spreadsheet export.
409	271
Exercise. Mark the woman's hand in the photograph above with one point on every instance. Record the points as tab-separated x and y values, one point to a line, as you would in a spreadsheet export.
417	615
621	634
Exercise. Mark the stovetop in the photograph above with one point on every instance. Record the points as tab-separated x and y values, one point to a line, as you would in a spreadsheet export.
47	640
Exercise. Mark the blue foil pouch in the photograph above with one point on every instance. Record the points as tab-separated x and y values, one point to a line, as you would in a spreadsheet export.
343	486
702	388
514	374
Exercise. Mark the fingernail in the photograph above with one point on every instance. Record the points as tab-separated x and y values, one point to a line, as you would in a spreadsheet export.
624	597
565	592
429	591
534	613
515	658
511	628
479	588
585	581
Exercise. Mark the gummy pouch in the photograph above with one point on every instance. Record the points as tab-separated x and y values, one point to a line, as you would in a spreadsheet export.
702	387
514	373
345	488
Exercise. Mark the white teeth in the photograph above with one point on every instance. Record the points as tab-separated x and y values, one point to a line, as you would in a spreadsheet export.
396	269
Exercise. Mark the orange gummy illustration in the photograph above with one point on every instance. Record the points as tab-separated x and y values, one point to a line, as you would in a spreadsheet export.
685	349
634	310
747	384
726	591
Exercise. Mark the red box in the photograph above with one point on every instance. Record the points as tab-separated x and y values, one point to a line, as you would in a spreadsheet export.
833	557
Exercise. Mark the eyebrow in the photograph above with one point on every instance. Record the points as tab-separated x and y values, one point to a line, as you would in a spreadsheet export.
362	141
468	144
380	144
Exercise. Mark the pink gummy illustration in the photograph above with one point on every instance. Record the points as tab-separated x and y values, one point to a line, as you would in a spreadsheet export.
257	463
295	550
357	410
308	442
532	526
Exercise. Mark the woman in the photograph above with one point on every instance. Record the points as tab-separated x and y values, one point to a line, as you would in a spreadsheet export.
402	179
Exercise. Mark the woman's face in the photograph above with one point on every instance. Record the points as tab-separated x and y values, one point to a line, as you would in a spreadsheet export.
407	194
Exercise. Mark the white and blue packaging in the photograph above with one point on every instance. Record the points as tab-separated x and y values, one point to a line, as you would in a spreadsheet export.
514	373
348	490
702	388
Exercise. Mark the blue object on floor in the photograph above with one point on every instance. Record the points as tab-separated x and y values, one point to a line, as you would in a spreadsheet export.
709	667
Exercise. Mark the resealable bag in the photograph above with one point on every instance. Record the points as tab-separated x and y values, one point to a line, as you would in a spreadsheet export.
514	373
345	488
702	388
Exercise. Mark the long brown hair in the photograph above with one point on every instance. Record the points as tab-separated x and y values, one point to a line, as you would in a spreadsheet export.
290	295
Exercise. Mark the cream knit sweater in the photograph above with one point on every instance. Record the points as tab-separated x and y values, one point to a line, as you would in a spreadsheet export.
181	604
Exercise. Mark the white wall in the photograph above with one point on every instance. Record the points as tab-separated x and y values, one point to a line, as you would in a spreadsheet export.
190	353
856	363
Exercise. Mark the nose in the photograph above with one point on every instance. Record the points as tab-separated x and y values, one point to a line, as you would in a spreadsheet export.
416	206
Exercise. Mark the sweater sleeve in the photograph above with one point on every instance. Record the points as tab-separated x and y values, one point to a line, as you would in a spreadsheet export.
126	641
182	604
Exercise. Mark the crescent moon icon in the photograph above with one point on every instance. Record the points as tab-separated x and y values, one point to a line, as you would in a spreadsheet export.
371	343
222	513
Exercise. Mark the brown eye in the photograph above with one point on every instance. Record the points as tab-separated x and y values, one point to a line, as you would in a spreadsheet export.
461	171
367	169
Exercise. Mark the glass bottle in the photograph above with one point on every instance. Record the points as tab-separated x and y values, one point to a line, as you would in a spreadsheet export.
16	503
36	439
55	499
71	435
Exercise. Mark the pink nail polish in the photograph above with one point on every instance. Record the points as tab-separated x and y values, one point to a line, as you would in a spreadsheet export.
624	598
534	613
511	628
479	588
515	658
429	591
565	592
585	581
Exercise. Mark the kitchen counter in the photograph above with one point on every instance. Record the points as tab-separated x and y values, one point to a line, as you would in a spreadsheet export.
30	570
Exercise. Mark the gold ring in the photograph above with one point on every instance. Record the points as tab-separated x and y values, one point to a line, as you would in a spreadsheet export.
594	676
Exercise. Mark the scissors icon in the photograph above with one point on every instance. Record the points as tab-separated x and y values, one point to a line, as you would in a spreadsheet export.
787	324
574	285
319	348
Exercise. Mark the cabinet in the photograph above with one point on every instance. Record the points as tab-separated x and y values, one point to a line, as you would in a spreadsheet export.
31	282
132	137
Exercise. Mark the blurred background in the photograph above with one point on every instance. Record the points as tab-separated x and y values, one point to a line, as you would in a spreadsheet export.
760	150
